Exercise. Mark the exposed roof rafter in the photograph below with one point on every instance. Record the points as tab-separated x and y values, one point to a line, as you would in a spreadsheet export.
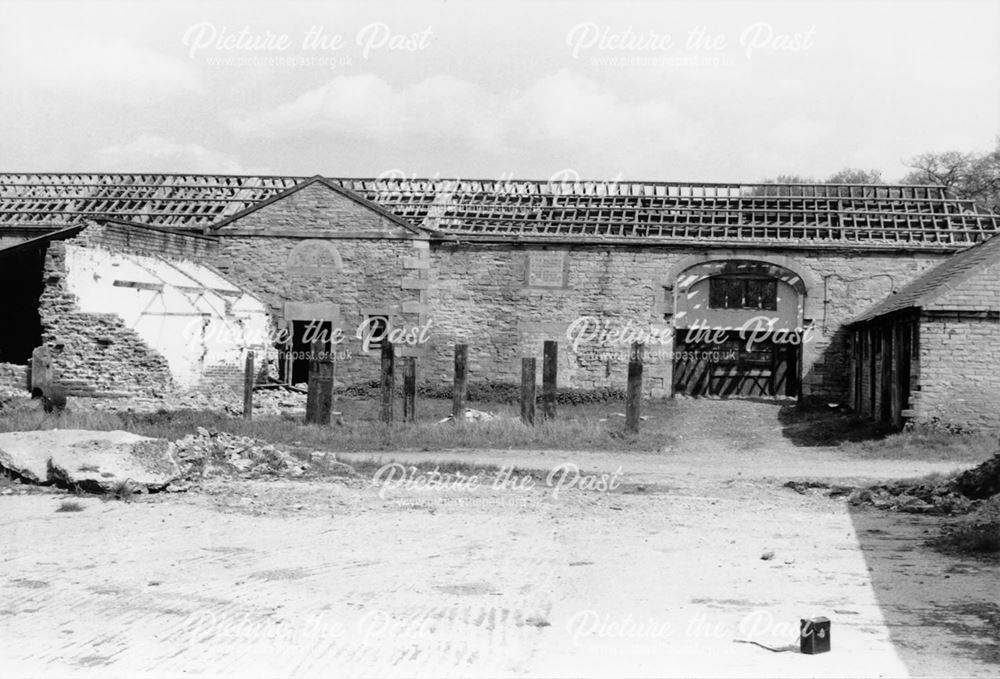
862	215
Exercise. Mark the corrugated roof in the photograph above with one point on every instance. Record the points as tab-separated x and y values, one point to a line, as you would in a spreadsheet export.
832	214
933	284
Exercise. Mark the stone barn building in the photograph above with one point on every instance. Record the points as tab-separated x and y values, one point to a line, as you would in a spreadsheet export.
139	283
932	351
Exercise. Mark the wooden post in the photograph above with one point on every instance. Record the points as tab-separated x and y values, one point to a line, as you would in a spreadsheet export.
550	356
388	382
528	390
461	382
409	388
248	379
319	398
41	370
633	397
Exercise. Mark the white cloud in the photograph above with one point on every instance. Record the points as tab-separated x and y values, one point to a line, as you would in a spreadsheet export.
799	133
561	109
152	153
63	62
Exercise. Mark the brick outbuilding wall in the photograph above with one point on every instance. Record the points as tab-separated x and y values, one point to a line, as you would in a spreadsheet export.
959	376
960	353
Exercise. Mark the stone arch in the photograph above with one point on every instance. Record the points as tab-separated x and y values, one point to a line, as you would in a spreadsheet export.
314	256
695	268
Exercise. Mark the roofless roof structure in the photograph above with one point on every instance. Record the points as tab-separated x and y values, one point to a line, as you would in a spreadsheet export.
838	215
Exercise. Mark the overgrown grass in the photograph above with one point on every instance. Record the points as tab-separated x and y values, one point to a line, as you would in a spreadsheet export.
925	444
977	533
591	426
981	539
69	506
575	428
30	419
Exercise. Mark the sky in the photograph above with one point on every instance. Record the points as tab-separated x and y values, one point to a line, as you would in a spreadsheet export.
653	90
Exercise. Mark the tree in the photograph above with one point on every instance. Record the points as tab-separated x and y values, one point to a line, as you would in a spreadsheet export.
850	175
975	176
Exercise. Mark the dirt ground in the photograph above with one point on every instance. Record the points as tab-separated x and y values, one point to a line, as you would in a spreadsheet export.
657	576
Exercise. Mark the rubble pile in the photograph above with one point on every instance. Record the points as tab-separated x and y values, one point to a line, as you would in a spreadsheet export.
14	399
980	482
277	401
958	495
211	453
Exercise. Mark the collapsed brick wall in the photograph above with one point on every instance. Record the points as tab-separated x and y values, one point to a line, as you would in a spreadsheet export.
94	354
13	376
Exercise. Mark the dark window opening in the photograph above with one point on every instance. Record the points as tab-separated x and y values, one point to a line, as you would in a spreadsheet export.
293	366
742	293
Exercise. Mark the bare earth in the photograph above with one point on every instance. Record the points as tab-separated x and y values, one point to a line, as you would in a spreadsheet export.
655	578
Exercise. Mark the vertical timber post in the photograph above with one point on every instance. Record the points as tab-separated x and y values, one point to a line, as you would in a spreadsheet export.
528	390
409	388
248	379
550	356
319	397
633	397
461	382
388	381
41	369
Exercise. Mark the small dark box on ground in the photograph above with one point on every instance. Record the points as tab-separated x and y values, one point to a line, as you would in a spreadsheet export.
814	635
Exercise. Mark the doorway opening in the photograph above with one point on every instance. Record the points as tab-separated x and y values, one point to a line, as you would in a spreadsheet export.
294	357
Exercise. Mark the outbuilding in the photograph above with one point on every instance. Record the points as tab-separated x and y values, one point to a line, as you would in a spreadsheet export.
736	290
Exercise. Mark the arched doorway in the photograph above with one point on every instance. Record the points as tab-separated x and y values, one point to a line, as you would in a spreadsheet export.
738	330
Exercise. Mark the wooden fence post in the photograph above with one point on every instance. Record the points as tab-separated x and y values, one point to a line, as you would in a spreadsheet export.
319	397
461	382
550	355
388	382
248	380
528	390
41	370
409	388
633	397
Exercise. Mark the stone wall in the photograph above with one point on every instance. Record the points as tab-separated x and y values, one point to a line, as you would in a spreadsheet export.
13	376
374	278
320	254
148	240
479	295
94	354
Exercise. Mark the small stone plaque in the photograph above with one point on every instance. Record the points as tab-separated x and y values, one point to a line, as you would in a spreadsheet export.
546	269
314	257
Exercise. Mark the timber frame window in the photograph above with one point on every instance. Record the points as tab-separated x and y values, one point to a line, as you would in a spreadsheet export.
730	292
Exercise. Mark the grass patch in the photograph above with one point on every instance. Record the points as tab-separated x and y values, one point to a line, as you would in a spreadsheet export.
980	539
925	444
69	506
575	428
586	426
123	491
977	533
32	419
